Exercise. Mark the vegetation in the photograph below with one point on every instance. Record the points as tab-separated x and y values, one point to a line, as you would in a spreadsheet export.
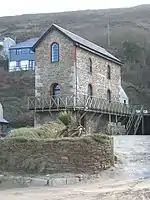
67	118
73	127
67	126
47	131
100	138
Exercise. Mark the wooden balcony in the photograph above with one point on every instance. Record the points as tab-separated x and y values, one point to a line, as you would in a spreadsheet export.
83	102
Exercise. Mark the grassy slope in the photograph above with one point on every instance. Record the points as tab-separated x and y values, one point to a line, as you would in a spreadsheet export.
14	89
129	24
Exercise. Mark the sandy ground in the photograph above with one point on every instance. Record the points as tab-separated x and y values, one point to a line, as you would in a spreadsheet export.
90	191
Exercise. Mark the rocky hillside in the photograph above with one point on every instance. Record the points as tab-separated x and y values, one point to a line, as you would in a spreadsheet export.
129	40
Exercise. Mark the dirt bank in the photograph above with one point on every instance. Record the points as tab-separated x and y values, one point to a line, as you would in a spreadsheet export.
90	191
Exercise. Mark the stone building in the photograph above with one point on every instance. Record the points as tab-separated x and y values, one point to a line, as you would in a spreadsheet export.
68	66
2	120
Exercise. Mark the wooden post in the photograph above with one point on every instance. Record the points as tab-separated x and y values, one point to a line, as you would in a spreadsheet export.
116	120
143	128
109	117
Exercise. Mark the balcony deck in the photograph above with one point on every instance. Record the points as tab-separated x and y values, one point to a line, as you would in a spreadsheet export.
83	102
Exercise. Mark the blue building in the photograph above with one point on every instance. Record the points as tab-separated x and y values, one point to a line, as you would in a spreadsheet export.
21	57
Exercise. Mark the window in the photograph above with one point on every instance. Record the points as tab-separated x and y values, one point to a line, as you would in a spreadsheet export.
109	95
30	51
56	90
108	72
125	102
90	66
89	90
54	52
31	65
18	51
18	66
12	66
24	51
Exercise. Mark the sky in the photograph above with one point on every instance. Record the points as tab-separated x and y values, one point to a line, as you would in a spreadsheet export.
17	7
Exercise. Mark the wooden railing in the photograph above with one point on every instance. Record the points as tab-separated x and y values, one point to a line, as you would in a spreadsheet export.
81	102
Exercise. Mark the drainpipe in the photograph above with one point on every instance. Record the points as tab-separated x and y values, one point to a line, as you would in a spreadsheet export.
75	63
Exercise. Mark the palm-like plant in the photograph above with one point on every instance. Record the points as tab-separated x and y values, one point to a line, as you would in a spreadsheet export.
73	128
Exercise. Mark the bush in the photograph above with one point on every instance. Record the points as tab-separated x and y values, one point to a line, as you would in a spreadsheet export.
73	128
68	119
65	118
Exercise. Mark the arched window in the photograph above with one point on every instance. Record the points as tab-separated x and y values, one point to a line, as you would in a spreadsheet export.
56	90
55	52
90	65
109	95
89	90
108	72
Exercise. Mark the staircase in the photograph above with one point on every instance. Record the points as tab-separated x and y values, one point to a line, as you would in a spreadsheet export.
138	120
134	121
130	122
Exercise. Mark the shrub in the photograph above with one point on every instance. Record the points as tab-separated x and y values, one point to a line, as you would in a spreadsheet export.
65	117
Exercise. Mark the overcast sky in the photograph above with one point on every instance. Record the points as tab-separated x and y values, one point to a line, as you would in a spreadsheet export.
17	7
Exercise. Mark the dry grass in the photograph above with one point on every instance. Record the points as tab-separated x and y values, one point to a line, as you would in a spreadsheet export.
47	131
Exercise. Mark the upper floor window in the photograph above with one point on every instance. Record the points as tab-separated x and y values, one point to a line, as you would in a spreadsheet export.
108	72
18	51
55	52
30	51
24	51
90	66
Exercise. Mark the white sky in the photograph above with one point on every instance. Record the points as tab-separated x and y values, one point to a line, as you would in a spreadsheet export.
17	7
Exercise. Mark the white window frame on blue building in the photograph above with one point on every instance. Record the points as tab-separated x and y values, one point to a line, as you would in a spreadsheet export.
18	51
31	65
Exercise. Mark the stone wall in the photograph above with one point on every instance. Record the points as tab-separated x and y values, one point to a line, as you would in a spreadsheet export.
71	72
98	77
96	123
48	73
85	155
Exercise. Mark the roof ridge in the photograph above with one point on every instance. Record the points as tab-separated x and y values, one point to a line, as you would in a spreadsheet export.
57	26
81	41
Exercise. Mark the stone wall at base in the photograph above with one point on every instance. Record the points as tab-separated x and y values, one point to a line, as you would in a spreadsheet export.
76	155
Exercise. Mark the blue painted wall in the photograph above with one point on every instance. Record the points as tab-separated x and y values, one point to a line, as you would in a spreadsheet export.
24	54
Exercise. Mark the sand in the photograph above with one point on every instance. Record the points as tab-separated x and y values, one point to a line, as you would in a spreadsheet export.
89	191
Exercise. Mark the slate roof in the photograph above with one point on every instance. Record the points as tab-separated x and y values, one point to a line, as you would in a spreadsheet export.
26	44
81	41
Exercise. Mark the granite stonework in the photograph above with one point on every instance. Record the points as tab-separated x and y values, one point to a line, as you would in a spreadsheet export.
72	74
71	155
98	77
48	73
45	118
